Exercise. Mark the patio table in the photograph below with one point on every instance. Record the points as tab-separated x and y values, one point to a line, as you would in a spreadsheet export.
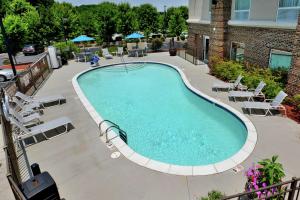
86	55
136	52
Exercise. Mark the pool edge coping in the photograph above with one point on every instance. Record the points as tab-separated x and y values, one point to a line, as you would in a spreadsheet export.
135	157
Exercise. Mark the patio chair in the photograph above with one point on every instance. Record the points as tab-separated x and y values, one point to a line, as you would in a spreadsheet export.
26	108
120	51
229	86
42	128
78	58
31	119
106	54
41	100
143	47
267	105
250	94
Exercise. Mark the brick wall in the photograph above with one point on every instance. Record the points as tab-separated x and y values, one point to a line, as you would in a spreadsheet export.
195	39
259	42
293	86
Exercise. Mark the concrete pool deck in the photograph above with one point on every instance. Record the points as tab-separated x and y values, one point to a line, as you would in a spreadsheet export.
82	167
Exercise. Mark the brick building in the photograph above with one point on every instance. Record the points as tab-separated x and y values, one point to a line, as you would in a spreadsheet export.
260	32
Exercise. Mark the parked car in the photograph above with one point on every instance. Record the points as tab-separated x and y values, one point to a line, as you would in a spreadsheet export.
6	74
32	49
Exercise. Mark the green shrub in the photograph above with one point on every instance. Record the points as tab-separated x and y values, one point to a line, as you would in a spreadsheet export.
112	49
214	195
156	44
6	62
227	70
271	89
99	53
296	101
281	75
66	49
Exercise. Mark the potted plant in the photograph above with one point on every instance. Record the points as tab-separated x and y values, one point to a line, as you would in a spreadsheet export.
268	172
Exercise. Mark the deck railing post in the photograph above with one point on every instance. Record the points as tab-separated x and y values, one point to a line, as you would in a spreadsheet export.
293	188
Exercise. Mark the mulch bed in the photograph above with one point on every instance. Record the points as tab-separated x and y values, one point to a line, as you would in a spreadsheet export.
292	113
19	67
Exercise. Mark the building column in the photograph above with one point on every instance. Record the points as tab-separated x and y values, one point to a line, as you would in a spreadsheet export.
221	13
293	86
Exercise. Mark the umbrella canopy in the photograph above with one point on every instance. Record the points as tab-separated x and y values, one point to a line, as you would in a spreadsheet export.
83	38
135	36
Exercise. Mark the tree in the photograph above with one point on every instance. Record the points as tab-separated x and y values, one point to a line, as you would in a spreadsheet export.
20	19
106	17
65	21
87	19
170	12
126	20
147	17
184	12
41	3
176	24
3	7
45	31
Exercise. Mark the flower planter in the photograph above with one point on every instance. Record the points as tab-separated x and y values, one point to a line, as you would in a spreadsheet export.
292	113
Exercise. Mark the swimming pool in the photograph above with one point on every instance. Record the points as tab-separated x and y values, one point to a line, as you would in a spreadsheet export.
166	121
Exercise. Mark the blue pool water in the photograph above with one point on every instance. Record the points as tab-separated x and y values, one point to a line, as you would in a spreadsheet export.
164	120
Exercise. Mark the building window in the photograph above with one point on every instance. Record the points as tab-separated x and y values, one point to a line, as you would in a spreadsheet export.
288	10
237	51
241	11
280	59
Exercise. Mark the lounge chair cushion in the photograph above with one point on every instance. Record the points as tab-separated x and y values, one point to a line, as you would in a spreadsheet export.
256	105
240	94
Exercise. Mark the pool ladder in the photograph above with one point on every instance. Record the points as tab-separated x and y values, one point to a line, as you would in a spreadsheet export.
112	125
123	61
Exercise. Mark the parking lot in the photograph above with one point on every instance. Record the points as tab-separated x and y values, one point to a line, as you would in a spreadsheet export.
20	58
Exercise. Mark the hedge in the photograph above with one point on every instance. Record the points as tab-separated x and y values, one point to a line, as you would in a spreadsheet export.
229	70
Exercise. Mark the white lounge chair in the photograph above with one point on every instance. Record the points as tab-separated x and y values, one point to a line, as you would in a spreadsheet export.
31	119
106	54
26	108
120	51
143	46
229	86
41	100
40	129
250	94
267	105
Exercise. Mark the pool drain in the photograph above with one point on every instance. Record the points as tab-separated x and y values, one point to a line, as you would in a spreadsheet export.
115	155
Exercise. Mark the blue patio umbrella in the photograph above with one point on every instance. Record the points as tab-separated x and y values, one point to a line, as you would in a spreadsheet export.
135	36
83	38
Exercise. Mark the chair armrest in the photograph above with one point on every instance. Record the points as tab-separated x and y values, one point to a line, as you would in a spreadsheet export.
251	90
231	81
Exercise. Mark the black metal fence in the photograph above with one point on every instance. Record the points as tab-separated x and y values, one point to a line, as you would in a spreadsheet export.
190	54
288	190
